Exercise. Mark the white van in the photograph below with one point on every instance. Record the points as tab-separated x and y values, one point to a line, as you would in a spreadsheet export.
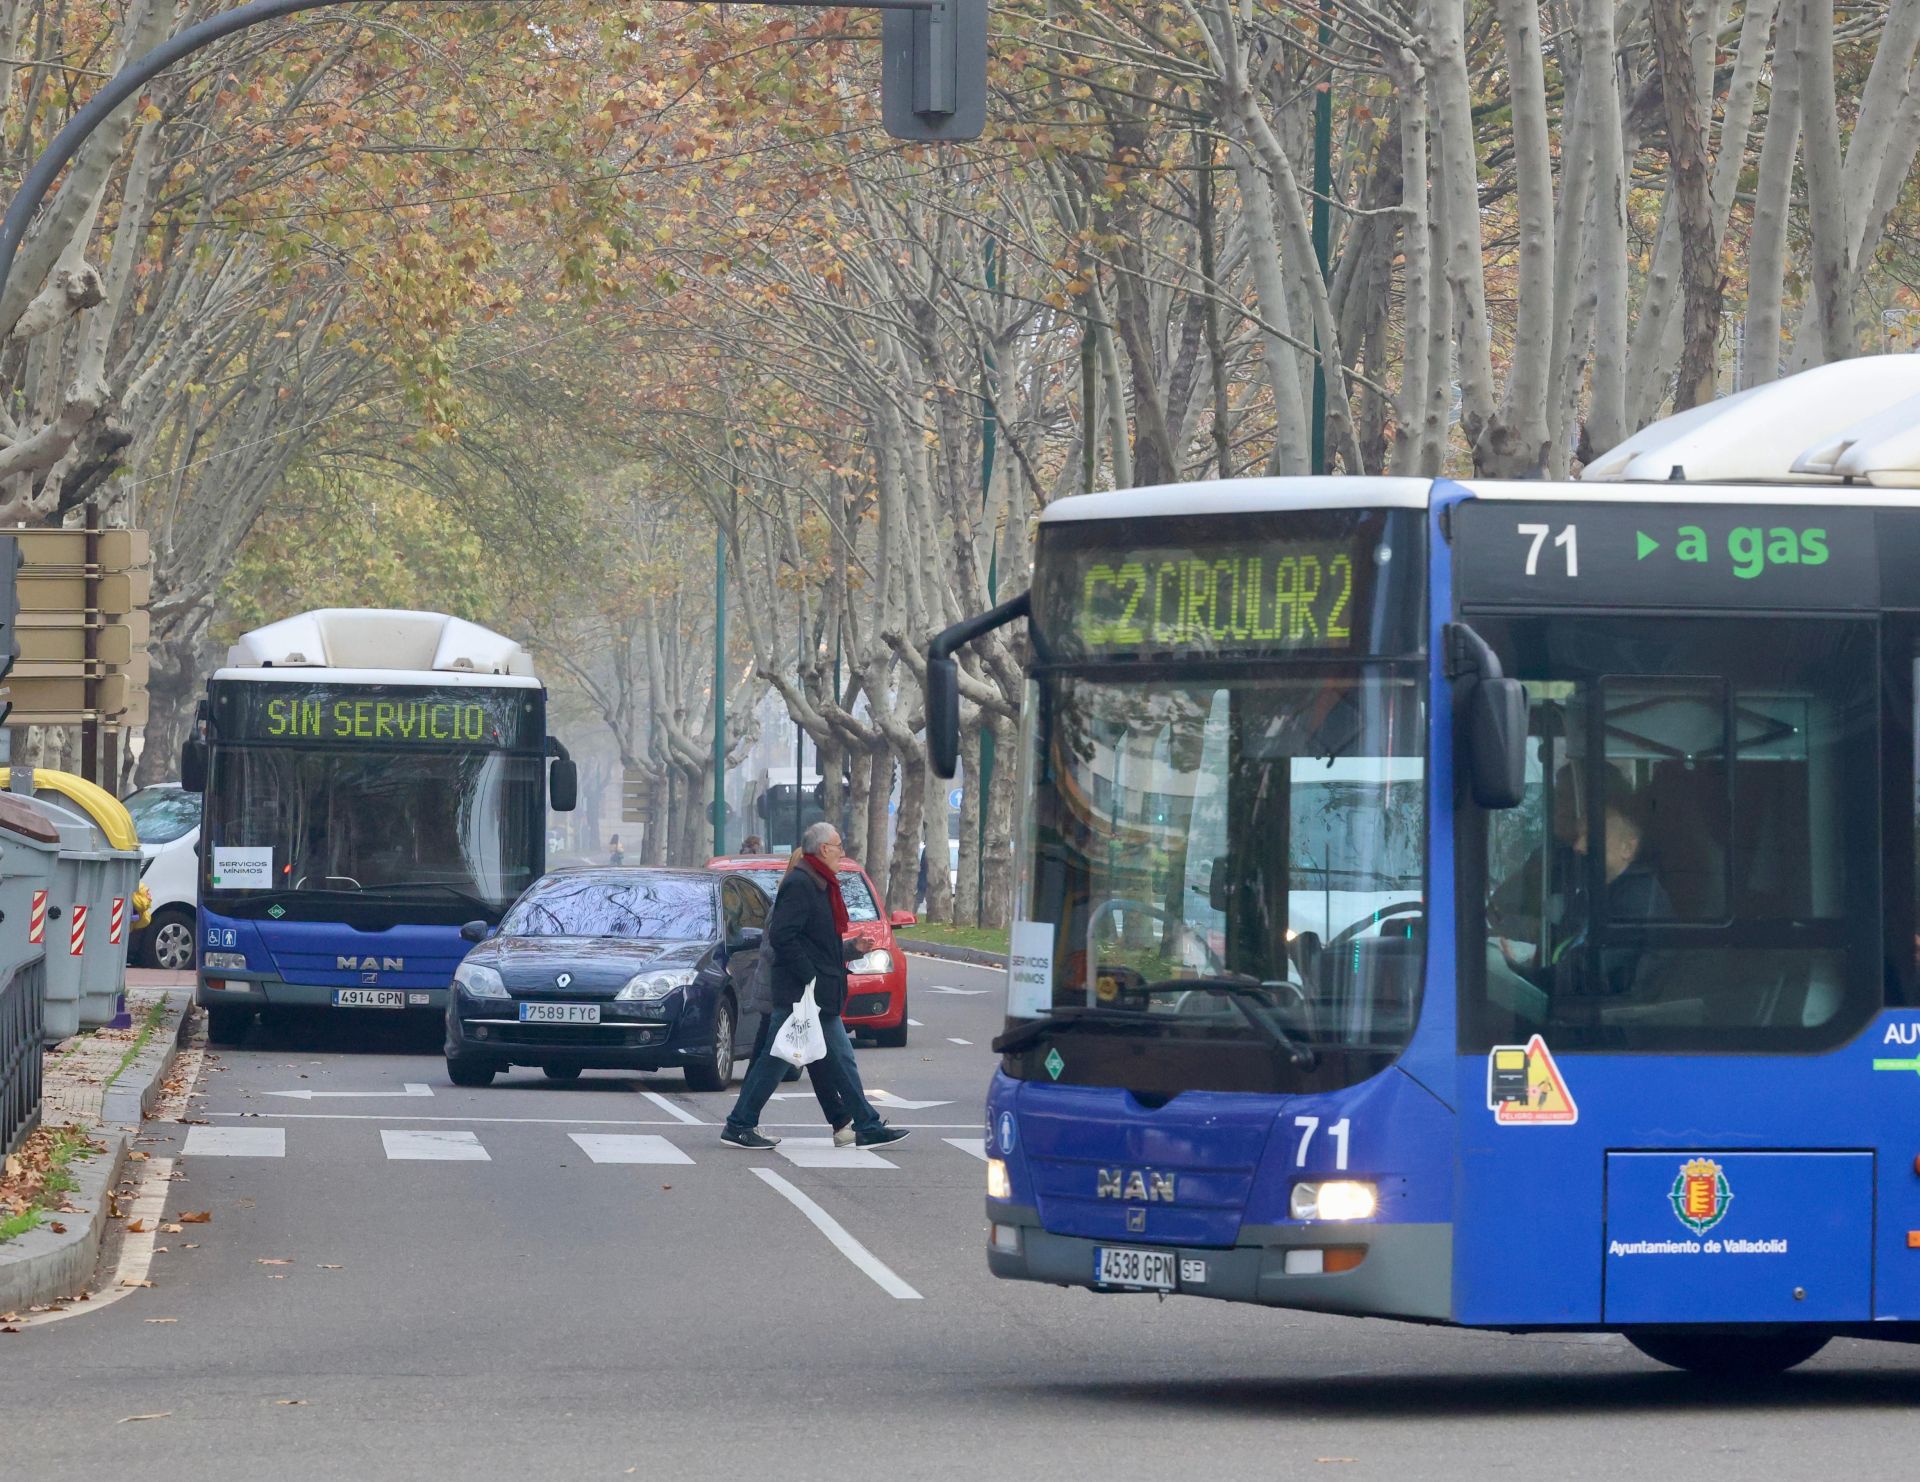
167	819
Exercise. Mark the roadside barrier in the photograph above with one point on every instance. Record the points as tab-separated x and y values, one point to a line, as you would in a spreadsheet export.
21	1001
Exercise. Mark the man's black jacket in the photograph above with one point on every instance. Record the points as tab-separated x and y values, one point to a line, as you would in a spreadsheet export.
806	944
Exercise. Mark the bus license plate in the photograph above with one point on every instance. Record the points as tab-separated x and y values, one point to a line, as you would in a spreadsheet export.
560	1013
1147	1270
369	998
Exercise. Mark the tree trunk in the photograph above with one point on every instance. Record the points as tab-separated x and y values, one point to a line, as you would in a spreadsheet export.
1831	316
1700	281
966	894
1772	206
996	901
879	768
904	873
934	828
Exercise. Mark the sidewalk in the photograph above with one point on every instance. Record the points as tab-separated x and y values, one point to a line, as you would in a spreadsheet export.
105	1081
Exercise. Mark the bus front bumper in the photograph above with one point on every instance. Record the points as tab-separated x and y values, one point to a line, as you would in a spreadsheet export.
232	990
1404	1270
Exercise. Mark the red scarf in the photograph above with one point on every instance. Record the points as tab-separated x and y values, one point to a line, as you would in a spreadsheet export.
828	876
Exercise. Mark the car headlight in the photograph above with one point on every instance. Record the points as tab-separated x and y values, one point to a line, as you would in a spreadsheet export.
1334	1199
647	987
477	981
231	962
879	960
999	1185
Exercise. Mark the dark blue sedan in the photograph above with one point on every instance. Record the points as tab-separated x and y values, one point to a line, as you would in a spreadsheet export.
611	969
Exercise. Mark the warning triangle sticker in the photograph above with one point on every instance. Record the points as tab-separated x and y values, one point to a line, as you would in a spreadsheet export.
1525	1087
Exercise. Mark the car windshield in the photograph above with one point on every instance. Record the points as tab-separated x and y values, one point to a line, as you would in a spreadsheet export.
163	814
859	899
1262	829
655	907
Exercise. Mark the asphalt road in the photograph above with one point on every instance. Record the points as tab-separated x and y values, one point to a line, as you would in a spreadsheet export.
465	1283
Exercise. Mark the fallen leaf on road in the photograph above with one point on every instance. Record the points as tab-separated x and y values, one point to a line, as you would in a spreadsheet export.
9	1329
163	1319
57	1228
290	1402
271	1261
131	1282
171	1228
333	1268
189	1246
1336	1460
138	1227
157	1415
140	1157
196	1216
275	1276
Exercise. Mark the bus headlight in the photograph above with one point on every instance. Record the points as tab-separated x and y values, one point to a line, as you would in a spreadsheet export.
999	1186
1334	1199
477	981
880	960
648	987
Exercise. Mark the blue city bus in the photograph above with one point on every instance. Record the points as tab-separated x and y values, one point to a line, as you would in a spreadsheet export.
375	783
1470	903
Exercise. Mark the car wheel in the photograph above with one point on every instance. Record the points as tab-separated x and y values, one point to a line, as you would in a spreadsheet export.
169	941
893	1039
715	1073
464	1072
228	1026
1730	1355
560	1072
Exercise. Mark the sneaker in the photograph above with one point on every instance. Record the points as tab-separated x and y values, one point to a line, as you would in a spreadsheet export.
843	1135
752	1141
881	1136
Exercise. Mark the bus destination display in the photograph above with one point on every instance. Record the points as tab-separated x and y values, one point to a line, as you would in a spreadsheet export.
388	715
1298	596
1673	556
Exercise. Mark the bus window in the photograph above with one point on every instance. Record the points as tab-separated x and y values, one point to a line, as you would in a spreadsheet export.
1694	864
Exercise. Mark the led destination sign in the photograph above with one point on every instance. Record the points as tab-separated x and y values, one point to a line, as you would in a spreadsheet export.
1274	590
383	715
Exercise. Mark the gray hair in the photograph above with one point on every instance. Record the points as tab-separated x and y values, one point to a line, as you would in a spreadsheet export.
817	834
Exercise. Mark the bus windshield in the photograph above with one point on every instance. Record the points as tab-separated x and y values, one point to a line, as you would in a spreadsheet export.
1263	831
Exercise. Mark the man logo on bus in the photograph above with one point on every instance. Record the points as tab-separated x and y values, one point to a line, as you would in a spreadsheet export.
1700	1195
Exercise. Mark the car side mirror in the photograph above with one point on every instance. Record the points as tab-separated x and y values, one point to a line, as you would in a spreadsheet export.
1219	877
747	939
563	784
1497	742
475	931
193	765
903	918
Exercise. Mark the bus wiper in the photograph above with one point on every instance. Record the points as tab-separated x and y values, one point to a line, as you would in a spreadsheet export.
1068	1016
452	890
1250	998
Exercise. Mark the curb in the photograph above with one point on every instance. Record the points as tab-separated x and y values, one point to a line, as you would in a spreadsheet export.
41	1267
130	1096
973	956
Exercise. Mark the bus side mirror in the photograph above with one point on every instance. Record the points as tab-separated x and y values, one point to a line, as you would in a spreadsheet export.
193	765
943	716
1497	742
563	784
1219	878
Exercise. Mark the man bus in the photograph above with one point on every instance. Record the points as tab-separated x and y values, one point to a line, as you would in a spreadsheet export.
374	782
1665	1088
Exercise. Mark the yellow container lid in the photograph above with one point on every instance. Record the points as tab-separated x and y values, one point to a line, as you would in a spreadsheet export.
100	805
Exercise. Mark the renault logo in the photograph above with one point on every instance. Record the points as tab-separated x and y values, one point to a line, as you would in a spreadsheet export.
565	980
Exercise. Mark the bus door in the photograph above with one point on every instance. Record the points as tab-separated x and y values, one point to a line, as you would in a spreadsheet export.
1667	951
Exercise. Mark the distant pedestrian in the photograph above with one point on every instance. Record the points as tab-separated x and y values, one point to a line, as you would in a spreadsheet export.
753	844
807	934
614	853
920	886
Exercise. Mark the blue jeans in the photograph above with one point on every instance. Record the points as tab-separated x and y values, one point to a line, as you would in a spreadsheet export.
837	1076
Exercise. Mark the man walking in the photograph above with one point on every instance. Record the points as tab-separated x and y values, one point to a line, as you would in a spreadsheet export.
807	935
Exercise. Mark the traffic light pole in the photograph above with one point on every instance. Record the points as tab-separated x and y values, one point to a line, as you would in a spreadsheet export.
933	82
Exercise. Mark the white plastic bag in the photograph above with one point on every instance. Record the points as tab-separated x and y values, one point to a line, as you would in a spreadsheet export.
801	1040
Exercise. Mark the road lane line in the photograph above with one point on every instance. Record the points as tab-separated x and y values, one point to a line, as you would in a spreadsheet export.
954	1039
975	1145
984	967
614	1147
433	1145
136	1247
916	1024
679	1114
828	1226
236	1142
280	1116
819	1152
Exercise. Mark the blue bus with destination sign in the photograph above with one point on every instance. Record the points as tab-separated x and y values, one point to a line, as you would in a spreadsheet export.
1478	903
375	782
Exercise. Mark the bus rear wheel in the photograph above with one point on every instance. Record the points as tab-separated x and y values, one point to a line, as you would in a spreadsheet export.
1730	1355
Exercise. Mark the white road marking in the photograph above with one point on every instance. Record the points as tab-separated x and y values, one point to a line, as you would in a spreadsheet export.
984	967
819	1152
679	1114
236	1142
136	1249
828	1226
916	1024
975	1145
962	992
614	1147
954	1039
900	1103
412	1088
433	1145
280	1116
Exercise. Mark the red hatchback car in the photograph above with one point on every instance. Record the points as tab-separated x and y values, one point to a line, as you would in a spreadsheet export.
876	983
